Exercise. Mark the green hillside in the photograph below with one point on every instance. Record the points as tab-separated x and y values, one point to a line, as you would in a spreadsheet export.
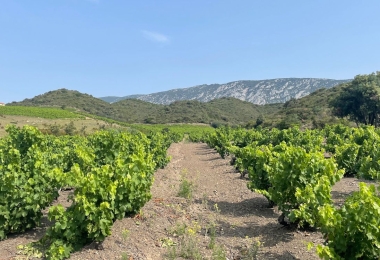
311	111
134	110
43	112
224	110
63	98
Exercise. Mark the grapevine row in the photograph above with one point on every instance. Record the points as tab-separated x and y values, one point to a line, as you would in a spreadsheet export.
296	170
111	174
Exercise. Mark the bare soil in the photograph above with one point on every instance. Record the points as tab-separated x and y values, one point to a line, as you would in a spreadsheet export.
220	201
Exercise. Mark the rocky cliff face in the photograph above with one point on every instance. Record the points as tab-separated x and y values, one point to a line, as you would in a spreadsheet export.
255	91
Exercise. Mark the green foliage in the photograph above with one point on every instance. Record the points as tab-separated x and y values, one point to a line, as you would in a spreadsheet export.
29	181
290	168
185	188
352	232
188	245
252	249
281	164
44	112
114	179
347	157
158	145
211	230
58	250
310	140
357	152
220	140
311	111
310	198
260	120
187	248
256	160
224	110
112	174
294	171
306	111
30	250
370	165
335	136
359	100
218	253
177	132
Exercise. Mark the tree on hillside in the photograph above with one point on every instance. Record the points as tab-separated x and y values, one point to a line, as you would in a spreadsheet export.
360	100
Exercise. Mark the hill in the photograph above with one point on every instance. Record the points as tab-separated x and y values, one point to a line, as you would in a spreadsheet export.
64	98
42	112
312	110
255	91
225	110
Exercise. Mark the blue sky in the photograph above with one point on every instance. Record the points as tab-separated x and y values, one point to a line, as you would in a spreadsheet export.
109	47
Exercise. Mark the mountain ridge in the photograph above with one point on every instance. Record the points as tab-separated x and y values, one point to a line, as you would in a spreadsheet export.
311	111
228	110
258	92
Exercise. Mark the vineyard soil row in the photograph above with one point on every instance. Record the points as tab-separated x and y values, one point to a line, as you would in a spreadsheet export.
220	198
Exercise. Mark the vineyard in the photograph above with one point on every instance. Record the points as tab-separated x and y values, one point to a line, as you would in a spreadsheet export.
296	170
111	173
43	112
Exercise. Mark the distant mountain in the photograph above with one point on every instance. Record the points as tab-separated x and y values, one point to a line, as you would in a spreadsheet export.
113	99
224	110
310	111
255	91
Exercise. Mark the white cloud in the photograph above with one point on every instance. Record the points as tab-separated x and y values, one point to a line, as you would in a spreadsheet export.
156	37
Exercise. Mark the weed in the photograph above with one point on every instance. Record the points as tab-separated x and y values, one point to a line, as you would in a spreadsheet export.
125	234
178	230
212	233
167	242
171	254
217	211
216	208
218	253
185	188
205	201
30	250
251	251
187	246
140	215
125	256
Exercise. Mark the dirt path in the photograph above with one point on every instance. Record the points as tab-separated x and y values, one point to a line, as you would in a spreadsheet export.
222	220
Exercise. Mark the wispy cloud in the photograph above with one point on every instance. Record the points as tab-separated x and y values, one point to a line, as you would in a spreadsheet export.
93	1
156	37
